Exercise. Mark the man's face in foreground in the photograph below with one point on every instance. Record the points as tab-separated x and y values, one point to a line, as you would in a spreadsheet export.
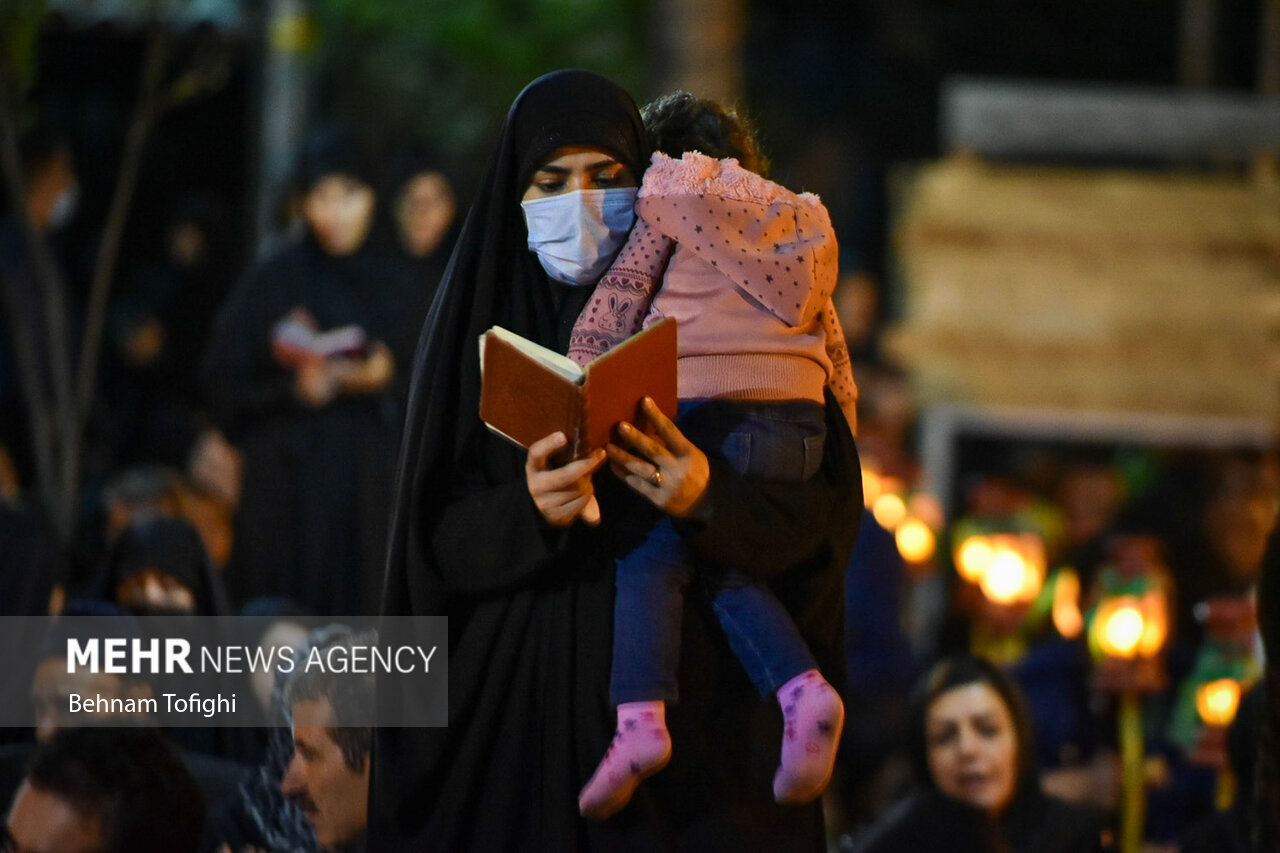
333	797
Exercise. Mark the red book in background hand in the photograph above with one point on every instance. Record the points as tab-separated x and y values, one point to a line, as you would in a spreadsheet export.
296	338
528	391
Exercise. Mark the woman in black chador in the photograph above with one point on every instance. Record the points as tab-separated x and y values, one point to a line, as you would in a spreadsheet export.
421	213
316	418
518	553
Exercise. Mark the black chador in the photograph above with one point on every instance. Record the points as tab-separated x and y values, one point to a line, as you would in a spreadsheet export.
530	608
313	512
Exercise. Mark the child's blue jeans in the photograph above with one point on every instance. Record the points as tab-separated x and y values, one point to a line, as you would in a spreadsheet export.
780	442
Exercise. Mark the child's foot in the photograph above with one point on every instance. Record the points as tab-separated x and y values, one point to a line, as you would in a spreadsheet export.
813	717
641	747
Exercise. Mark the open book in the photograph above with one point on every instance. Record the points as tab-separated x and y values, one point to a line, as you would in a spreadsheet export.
528	391
296	337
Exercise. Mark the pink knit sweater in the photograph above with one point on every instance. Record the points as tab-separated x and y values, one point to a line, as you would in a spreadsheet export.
749	281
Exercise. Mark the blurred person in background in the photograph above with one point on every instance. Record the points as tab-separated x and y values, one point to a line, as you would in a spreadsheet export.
1090	494
158	333
143	492
135	494
421	209
53	683
28	334
1214	513
973	753
33	566
316	415
164	326
160	566
1232	829
103	790
1267	774
278	622
1207	516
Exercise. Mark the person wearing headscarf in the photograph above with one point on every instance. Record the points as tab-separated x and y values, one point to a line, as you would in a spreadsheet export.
316	414
160	565
420	214
34	564
52	682
519	553
972	750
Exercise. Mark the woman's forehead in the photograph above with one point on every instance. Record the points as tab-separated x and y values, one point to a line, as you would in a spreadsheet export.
974	698
579	156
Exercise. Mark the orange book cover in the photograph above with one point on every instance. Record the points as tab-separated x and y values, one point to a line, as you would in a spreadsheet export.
528	391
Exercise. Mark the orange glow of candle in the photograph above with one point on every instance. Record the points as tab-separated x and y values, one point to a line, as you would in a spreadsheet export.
1066	604
1217	701
915	540
889	510
1121	625
973	557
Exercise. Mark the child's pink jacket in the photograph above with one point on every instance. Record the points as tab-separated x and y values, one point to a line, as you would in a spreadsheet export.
749	282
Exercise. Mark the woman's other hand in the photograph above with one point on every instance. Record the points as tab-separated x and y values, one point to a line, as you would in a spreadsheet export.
666	468
366	375
319	379
314	381
564	493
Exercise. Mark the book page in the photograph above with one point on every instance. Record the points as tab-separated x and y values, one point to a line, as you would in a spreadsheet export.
553	360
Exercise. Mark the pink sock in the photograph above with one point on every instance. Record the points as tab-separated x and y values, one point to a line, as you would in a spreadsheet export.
641	747
812	716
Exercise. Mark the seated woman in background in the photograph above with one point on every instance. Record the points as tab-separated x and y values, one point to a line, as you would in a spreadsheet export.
160	566
972	752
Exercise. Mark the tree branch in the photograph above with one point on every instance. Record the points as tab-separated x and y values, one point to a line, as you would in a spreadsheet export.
144	116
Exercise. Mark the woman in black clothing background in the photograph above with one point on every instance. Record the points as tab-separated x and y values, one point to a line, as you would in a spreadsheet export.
318	433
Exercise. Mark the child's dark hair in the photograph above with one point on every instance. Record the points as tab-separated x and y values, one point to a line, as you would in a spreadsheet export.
680	122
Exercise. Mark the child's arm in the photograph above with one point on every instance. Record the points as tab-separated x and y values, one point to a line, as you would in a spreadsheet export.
622	298
777	246
842	383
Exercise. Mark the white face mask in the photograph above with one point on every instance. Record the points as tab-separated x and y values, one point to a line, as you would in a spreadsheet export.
575	235
64	207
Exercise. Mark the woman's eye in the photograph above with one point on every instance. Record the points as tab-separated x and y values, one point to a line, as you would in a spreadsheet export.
941	737
608	179
550	186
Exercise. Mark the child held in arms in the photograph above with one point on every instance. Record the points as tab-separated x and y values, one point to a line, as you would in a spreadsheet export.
747	268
